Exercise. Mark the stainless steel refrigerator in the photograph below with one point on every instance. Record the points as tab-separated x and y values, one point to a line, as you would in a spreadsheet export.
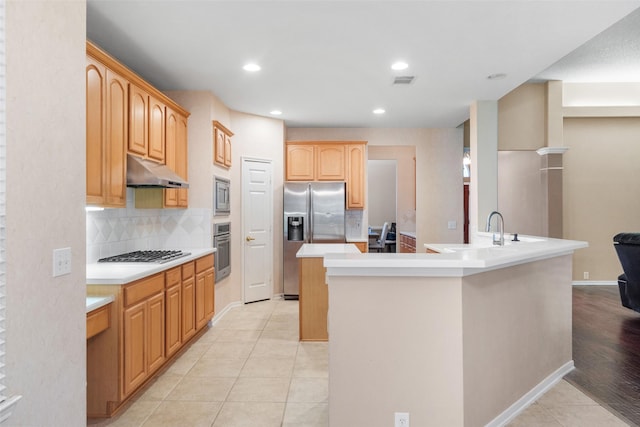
313	213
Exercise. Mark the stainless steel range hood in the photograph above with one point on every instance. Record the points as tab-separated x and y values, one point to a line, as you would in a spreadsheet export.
147	174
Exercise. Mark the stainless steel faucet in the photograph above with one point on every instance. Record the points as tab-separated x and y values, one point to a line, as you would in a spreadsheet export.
500	240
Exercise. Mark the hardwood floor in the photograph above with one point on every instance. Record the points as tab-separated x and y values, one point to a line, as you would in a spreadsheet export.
606	350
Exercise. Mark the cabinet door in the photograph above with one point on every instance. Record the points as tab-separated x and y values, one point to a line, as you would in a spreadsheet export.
209	294
156	337
227	151
219	144
96	132
171	136
188	308
135	342
330	162
138	120
355	178
156	130
201	319
300	162
116	142
173	319
182	158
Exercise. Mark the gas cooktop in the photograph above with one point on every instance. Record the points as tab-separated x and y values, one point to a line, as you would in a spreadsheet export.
158	257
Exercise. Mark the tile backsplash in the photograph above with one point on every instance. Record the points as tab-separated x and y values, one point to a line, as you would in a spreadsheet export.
114	231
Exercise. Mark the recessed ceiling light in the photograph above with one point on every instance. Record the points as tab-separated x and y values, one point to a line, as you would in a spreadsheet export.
276	112
496	76
251	67
379	111
399	65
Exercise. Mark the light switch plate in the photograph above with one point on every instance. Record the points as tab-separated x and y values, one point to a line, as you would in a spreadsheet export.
61	261
452	225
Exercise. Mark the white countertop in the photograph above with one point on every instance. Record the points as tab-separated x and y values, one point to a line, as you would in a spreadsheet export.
94	303
318	250
120	273
454	260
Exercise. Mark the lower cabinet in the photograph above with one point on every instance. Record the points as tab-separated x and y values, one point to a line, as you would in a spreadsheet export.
153	318
205	298
407	244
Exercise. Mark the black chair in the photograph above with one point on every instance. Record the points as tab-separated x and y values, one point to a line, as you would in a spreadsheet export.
627	247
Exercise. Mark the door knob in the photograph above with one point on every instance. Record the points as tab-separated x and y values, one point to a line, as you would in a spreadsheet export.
249	238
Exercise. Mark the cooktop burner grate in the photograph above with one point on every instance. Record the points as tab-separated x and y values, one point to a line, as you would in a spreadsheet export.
146	256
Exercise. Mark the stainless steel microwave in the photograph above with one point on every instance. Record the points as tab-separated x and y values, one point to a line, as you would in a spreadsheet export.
221	196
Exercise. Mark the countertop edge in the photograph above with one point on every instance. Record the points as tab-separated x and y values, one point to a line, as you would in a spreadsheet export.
95	302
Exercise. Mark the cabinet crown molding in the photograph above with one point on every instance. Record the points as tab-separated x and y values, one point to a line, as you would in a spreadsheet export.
97	53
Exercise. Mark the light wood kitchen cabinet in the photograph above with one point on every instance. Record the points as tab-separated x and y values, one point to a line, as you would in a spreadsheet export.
407	244
138	121
300	162
222	144
205	286
107	107
173	301
313	300
150	320
330	162
143	330
176	154
125	114
356	161
146	124
362	246
156	130
188	302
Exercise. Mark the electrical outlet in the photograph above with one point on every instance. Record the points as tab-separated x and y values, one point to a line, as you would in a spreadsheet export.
401	419
585	275
61	261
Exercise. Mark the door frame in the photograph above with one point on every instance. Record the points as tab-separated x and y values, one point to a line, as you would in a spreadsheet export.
270	243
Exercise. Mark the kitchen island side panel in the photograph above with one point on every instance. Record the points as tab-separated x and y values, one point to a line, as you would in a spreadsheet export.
395	346
516	333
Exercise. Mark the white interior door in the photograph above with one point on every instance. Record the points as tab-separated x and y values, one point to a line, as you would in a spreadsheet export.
257	219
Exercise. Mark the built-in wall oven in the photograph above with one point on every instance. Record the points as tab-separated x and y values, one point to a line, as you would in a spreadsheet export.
221	196
222	242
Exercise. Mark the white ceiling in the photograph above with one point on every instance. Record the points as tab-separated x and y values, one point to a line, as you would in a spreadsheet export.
327	63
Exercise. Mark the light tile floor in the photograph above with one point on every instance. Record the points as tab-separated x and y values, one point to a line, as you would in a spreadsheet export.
250	370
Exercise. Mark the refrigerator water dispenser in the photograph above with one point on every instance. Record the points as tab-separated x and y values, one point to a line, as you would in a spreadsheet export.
295	225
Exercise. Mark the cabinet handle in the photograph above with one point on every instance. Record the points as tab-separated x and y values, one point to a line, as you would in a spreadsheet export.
249	238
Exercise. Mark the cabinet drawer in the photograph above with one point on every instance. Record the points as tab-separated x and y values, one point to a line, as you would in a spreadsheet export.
187	270
173	277
142	289
204	263
98	320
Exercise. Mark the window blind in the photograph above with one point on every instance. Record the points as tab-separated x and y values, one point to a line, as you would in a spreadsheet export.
6	403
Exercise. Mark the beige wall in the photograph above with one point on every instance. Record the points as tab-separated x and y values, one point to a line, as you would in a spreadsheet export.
601	187
520	192
521	123
263	138
45	327
382	191
439	187
450	351
254	136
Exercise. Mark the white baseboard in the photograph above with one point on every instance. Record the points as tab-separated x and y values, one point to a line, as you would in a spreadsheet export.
224	311
595	283
277	296
534	394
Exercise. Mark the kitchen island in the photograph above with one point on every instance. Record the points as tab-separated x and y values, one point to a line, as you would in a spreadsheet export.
468	336
313	299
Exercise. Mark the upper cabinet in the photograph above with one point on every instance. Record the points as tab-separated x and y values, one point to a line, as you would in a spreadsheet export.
127	115
176	156
107	109
221	144
329	161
